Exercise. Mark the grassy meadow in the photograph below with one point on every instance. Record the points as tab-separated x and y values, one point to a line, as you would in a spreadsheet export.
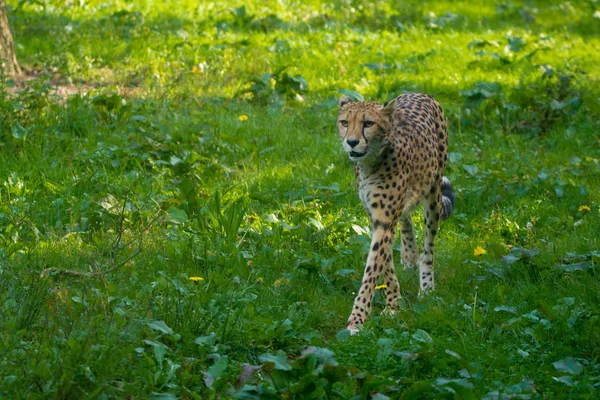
186	225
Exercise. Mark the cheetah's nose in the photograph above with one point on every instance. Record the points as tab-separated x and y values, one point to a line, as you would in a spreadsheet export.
352	142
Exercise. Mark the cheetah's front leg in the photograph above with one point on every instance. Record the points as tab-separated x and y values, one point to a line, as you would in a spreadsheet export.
380	255
392	291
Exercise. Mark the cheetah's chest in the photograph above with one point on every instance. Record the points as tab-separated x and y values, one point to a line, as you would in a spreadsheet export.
364	193
391	188
378	192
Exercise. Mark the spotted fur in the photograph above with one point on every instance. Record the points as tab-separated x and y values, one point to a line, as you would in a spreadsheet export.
400	150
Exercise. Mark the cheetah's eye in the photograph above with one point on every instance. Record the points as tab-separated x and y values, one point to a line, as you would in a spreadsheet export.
344	123
368	124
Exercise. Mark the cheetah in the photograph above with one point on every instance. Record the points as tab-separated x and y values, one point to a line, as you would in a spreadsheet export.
399	150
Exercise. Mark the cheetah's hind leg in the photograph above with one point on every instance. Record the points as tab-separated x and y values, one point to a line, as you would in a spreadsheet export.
432	207
409	249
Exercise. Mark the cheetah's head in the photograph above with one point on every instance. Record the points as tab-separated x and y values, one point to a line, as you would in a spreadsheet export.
363	126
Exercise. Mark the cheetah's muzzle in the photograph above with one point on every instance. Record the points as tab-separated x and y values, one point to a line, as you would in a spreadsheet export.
355	154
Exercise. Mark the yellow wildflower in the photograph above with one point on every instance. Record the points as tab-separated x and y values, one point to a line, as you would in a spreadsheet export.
243	118
196	278
195	69
584	209
479	251
259	279
273	81
384	286
280	281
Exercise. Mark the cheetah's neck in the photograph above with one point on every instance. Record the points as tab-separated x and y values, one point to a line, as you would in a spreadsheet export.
371	162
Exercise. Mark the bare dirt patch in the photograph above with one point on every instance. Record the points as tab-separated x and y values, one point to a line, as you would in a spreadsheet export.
61	88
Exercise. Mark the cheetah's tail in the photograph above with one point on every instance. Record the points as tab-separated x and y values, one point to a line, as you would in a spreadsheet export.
447	198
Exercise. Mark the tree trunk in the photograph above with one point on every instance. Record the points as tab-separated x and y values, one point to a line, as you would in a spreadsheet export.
8	58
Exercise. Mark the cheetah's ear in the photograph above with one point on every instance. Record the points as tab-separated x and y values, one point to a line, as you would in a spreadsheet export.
389	107
343	101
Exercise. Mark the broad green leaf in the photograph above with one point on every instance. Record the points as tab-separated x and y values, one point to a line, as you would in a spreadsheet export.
526	386
516	44
208	340
18	132
346	272
79	300
323	355
559	191
454	157
522	353
359	230
422	336
478	44
569	365
508	309
471	169
375	67
569	301
352	94
510	259
565	379
160	326
217	370
343	335
580	266
177	216
458	382
279	360
174	160
10	379
317	224
461	388
384	348
159	351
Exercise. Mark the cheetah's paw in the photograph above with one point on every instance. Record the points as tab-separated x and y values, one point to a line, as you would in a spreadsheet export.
354	329
389	312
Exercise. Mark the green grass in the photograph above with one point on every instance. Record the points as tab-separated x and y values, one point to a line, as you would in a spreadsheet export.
111	200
